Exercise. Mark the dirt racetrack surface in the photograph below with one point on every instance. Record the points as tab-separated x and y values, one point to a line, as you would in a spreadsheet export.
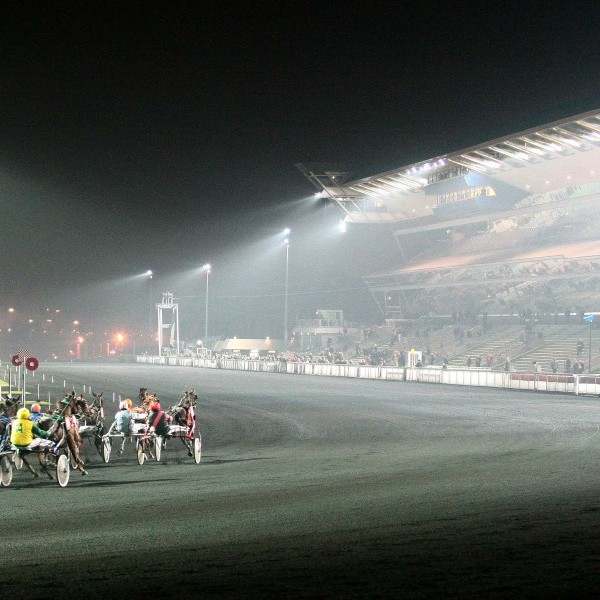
320	487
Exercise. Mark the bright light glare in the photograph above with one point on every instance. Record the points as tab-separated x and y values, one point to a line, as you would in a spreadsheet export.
287	231
342	226
149	273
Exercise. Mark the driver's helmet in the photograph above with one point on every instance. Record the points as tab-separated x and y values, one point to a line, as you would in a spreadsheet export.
23	413
155	406
128	403
36	408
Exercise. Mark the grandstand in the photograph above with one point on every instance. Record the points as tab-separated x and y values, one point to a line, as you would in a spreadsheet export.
505	227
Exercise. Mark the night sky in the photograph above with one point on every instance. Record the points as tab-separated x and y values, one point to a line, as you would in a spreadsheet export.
163	136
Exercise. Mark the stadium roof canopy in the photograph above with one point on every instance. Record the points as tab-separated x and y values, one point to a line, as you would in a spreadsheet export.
558	163
518	216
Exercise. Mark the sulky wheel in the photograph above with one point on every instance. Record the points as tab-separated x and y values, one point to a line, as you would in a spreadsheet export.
141	456
6	471
63	470
18	462
198	449
106	448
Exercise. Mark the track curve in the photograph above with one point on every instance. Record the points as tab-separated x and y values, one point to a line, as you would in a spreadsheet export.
321	487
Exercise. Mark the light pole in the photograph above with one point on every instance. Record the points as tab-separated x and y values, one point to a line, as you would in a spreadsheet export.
206	268
287	272
149	276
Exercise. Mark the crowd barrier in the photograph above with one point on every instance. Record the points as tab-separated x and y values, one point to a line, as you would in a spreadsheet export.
265	366
567	384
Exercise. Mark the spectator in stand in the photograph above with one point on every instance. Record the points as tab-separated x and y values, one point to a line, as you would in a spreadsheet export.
469	362
507	364
554	365
478	362
579	347
568	365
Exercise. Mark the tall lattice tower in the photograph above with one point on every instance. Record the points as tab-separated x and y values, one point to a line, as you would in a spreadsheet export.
168	318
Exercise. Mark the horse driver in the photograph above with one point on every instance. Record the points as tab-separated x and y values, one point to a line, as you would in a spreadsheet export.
158	420
23	435
36	412
124	418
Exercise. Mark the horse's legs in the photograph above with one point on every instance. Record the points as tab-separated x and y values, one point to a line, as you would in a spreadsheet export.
75	451
44	464
28	465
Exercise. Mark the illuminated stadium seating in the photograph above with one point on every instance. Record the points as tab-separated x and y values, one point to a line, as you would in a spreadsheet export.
490	217
505	227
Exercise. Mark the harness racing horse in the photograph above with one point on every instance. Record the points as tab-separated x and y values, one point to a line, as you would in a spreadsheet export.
8	410
90	419
145	399
184	426
179	412
63	423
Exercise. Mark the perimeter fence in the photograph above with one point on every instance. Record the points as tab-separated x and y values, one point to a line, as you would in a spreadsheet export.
566	384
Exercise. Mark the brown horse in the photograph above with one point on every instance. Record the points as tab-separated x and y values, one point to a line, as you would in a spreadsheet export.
145	399
179	412
184	425
8	410
91	413
90	419
63	423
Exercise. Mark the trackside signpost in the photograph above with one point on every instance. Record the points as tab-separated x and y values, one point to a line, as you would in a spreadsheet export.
22	359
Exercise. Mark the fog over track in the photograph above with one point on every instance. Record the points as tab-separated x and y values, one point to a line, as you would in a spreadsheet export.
320	487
